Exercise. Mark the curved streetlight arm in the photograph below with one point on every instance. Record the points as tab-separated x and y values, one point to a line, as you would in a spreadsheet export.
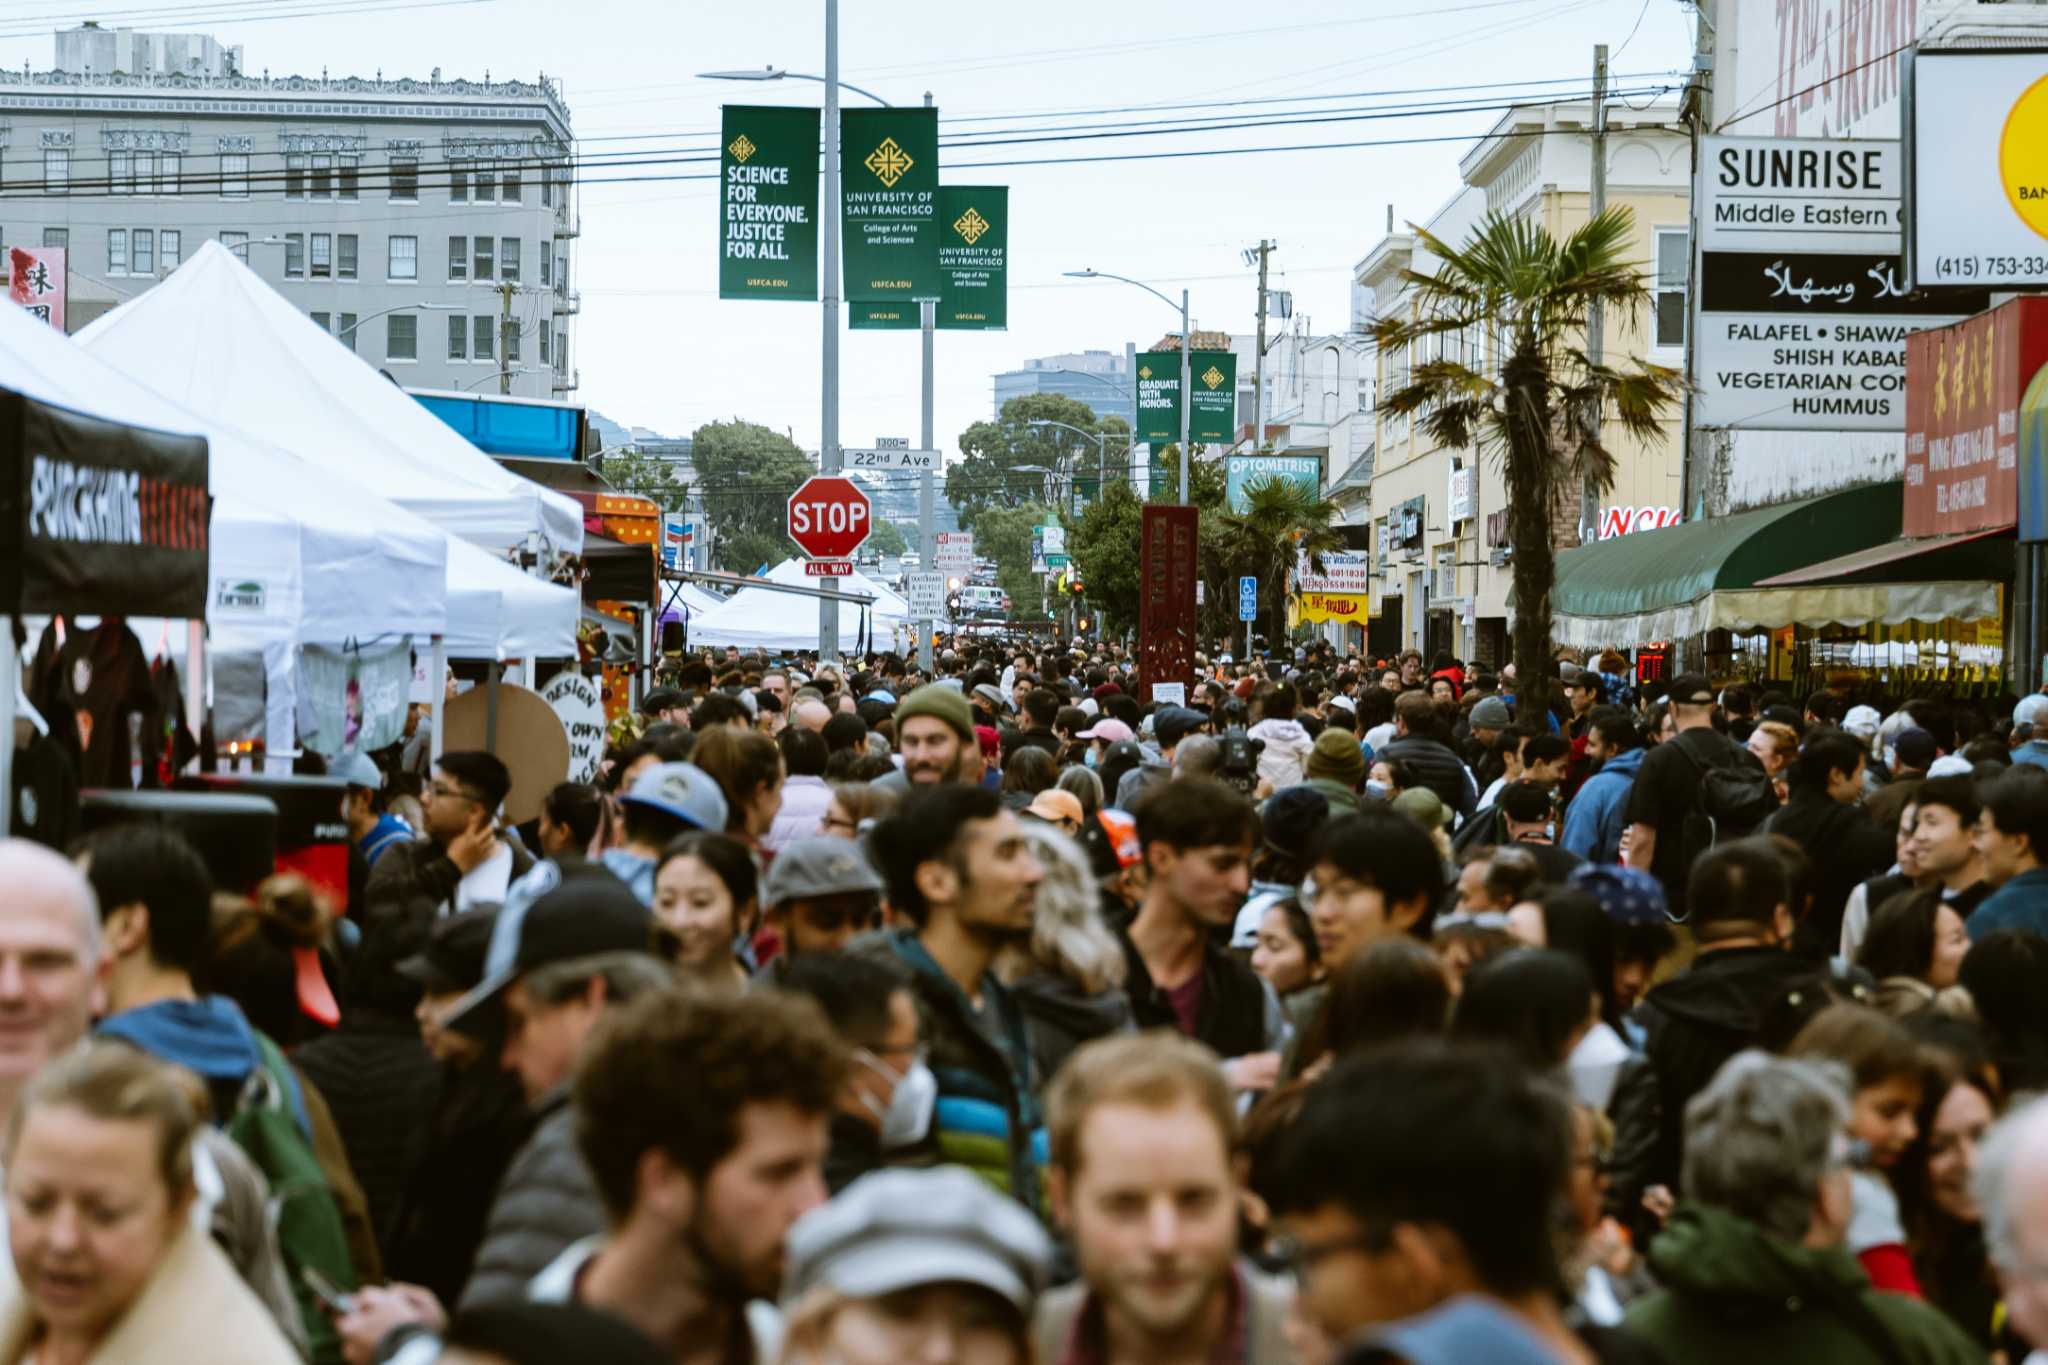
1105	275
401	308
773	74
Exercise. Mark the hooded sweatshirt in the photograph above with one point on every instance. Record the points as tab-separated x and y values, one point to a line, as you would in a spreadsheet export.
209	1036
1284	763
1734	1292
1598	814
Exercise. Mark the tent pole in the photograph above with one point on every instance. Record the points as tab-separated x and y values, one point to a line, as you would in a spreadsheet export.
10	673
437	695
491	706
195	679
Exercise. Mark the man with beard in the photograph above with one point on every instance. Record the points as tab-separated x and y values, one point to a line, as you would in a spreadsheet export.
1198	836
1142	1130
935	737
958	868
703	1121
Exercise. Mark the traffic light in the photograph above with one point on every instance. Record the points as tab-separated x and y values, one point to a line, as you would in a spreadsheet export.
1074	584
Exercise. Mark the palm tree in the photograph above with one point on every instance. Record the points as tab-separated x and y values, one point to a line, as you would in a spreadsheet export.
1540	414
1281	519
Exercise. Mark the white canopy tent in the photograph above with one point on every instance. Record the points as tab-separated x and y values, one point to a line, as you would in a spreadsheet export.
298	555
218	339
234	351
758	618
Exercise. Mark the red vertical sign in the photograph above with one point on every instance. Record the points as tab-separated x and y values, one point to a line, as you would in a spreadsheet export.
1166	601
1963	389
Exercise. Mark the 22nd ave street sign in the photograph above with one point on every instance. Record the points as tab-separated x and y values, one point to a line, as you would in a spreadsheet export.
829	517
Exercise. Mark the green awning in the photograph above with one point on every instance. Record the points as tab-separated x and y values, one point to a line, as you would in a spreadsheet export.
1703	575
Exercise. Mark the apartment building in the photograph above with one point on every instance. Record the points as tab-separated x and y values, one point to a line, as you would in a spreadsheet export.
429	224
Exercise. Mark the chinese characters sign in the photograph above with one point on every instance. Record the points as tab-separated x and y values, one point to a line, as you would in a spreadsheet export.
35	280
1963	387
768	194
1166	597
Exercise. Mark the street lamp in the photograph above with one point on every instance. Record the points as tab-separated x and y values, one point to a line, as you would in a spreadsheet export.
828	422
1101	439
422	305
1186	380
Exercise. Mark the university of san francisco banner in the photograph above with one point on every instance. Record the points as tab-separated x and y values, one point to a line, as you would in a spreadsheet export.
1213	382
768	203
889	189
1214	417
974	250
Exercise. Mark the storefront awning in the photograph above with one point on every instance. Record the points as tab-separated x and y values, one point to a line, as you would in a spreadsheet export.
1713	575
1966	555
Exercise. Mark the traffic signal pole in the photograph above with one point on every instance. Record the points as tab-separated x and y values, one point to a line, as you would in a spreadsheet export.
828	417
928	541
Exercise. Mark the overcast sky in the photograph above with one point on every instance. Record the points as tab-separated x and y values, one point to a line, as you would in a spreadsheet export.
656	346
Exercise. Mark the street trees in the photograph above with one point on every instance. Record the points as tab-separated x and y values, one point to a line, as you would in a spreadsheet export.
986	474
1281	520
746	473
645	476
886	538
1004	535
1539	411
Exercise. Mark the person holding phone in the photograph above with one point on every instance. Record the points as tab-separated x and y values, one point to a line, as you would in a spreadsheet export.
463	863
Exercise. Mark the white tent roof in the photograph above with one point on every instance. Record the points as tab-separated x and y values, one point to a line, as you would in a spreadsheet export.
218	339
698	600
334	562
759	619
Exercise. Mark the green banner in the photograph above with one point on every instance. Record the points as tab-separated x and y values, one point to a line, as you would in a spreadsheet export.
1215	388
862	316
768	203
974	257
889	178
1158	397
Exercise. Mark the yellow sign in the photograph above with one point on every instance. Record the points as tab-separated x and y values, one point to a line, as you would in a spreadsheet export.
2023	157
970	225
1329	606
889	162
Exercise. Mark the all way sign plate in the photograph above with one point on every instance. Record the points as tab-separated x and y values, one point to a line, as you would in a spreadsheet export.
828	568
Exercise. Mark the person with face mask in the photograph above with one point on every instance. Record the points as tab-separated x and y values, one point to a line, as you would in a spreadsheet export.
890	1093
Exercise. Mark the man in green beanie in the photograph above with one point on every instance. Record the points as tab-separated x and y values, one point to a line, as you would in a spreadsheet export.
1336	767
934	736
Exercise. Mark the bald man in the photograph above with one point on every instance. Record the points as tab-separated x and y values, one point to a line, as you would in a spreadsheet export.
811	715
49	961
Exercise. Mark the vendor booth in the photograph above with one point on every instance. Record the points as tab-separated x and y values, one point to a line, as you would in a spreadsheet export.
759	618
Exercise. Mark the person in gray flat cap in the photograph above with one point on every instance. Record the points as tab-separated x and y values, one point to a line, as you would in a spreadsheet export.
820	893
927	1265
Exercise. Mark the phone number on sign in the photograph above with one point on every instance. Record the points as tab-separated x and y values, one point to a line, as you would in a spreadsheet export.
1990	267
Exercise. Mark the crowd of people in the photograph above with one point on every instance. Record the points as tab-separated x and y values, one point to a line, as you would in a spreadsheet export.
1324	1012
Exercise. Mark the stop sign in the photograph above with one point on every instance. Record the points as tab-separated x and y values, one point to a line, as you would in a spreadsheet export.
828	517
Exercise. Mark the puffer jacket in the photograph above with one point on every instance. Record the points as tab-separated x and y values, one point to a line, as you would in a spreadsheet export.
1284	761
1438	769
987	1117
381	1084
1733	1292
546	1203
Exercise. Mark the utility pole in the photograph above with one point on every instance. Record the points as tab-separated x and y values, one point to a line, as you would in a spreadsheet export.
1259	363
1187	395
1589	496
504	339
828	417
927	546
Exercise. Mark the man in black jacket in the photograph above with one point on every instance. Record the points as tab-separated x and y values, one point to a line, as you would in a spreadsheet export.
1198	836
1419	743
1727	1000
463	863
1842	846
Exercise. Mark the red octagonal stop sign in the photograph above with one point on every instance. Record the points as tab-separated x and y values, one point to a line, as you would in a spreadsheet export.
828	517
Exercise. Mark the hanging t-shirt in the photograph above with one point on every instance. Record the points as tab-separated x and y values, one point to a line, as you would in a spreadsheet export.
100	679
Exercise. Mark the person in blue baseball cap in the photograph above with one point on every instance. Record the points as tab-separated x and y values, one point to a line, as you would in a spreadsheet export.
666	800
1634	900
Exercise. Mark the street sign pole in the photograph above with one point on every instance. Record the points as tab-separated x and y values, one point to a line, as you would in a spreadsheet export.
928	312
828	426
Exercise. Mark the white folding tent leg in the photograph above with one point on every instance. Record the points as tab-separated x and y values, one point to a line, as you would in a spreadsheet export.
196	662
10	675
437	694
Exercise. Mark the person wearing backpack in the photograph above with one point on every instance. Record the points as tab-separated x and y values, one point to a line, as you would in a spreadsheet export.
156	898
1842	846
1696	790
1725	1000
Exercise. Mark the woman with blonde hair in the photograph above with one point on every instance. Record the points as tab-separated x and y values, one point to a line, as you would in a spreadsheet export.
99	1188
1068	978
